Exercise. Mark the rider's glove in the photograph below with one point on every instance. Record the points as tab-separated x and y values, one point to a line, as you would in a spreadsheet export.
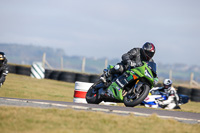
130	63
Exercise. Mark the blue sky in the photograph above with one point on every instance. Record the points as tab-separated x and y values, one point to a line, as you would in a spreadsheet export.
106	28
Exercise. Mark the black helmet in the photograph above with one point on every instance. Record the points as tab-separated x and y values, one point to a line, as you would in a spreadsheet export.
149	50
2	58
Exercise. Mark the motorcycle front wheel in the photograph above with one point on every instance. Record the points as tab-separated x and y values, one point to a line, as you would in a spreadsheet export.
133	99
92	95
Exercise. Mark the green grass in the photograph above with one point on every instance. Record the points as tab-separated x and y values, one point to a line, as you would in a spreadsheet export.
191	107
36	120
17	86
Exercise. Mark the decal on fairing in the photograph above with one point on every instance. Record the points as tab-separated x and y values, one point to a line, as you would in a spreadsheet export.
146	72
118	88
119	83
130	78
132	72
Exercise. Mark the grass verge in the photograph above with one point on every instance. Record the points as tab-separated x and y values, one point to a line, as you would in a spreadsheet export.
36	120
18	86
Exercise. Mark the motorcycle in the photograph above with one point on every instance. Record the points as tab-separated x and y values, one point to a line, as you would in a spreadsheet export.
155	95
152	99
130	88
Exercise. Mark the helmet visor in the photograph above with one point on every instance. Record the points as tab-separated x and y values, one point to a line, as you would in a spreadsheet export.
1	57
166	86
149	54
1	62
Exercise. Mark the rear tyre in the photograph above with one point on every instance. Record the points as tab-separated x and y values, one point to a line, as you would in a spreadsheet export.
131	100
92	95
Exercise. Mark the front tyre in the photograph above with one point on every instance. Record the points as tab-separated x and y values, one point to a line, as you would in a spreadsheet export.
92	95
133	99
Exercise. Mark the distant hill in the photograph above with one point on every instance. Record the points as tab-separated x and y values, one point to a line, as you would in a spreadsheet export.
27	54
179	71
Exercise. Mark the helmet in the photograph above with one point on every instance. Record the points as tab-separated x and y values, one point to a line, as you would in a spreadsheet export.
2	58
149	50
167	83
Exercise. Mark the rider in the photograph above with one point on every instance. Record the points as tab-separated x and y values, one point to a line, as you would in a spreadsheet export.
132	58
172	97
3	68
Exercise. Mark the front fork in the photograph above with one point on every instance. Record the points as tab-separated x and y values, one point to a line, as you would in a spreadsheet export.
135	91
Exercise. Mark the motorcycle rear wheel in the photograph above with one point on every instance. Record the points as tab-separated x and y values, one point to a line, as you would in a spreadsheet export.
130	101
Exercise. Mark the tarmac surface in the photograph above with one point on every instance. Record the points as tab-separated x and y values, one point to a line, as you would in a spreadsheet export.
186	117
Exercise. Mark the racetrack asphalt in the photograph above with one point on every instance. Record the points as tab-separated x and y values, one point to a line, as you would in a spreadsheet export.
186	117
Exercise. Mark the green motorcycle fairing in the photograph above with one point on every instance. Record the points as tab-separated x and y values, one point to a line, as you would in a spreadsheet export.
116	88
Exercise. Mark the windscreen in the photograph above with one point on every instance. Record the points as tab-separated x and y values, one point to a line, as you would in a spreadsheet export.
152	66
